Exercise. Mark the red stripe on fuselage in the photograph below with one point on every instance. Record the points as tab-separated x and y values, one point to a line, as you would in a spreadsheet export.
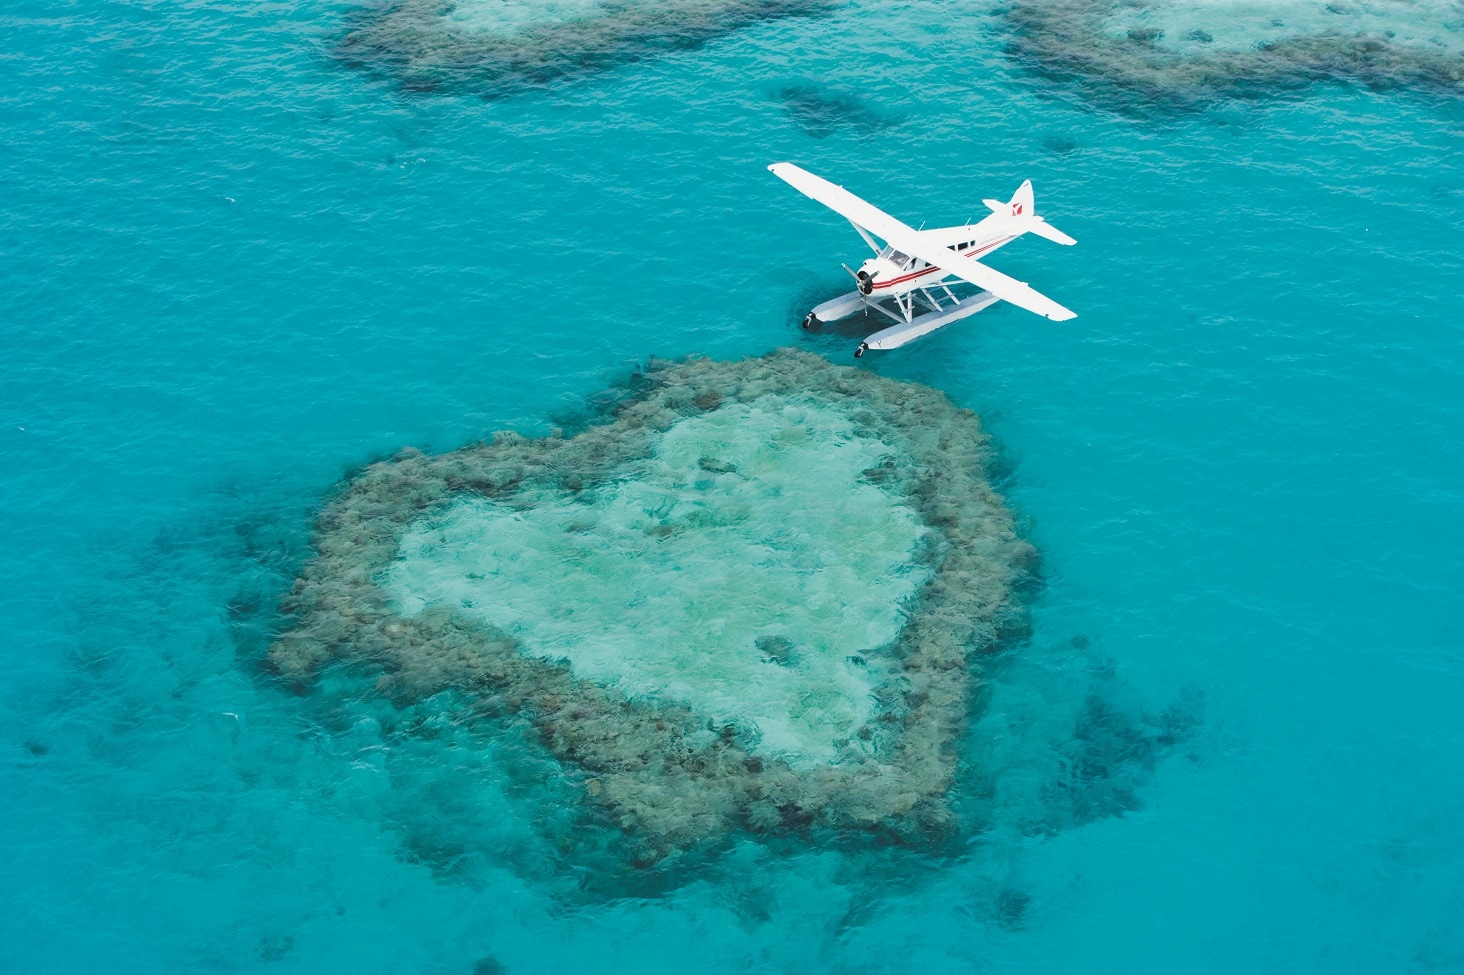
927	270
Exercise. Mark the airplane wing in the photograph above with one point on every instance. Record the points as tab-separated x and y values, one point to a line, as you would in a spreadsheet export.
841	201
906	238
1004	287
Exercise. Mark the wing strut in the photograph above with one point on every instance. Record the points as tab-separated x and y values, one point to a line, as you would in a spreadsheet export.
873	245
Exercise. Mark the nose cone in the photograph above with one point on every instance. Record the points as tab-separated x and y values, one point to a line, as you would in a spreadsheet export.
871	272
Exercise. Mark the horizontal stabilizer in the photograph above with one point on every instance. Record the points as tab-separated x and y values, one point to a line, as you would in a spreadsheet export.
906	238
1042	228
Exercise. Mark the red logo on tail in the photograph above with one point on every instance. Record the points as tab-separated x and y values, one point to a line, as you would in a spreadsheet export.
1016	209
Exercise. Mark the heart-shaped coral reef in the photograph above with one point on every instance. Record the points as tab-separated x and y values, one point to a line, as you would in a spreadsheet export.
750	600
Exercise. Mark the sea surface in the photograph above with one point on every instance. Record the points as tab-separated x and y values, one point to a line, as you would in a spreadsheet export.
236	266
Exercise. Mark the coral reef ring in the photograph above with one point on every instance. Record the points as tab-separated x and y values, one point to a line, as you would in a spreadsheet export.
753	598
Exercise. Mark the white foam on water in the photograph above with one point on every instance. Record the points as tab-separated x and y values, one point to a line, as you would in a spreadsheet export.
743	571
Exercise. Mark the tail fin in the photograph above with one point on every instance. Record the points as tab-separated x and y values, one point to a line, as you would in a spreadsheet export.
1023	208
1022	204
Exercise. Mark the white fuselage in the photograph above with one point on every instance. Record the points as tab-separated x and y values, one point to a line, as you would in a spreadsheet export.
894	273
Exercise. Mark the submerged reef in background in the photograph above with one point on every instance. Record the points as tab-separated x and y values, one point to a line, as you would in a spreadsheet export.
751	600
495	47
819	111
1127	54
1142	54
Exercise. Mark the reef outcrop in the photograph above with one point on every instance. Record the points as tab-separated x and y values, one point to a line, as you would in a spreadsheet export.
751	598
1158	54
494	47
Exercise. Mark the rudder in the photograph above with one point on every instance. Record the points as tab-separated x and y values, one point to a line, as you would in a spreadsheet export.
1021	203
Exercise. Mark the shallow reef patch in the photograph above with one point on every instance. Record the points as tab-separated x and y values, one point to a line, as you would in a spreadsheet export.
1113	750
1066	742
751	601
496	47
1145	54
819	111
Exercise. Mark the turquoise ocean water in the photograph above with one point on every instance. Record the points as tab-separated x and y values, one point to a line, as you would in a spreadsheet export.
234	268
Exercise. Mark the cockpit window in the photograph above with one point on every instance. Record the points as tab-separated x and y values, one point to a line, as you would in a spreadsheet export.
899	259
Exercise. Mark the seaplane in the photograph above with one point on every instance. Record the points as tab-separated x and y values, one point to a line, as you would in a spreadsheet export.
917	278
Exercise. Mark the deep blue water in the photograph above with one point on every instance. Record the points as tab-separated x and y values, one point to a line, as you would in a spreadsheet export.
233	268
